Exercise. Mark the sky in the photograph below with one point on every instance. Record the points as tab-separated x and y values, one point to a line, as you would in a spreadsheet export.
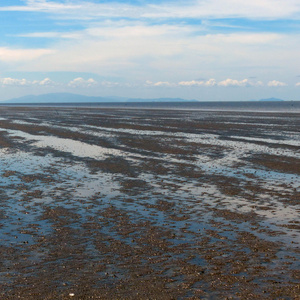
209	50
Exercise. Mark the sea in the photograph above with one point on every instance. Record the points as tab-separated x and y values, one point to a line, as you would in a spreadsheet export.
259	106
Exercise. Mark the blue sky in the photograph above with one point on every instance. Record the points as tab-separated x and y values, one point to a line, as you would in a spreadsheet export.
195	49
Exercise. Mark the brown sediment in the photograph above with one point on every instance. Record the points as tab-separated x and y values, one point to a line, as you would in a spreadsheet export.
116	165
277	163
4	141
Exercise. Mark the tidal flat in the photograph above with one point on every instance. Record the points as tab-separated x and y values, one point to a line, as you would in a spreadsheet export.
116	203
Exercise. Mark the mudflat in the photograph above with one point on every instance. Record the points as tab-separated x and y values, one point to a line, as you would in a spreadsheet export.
103	203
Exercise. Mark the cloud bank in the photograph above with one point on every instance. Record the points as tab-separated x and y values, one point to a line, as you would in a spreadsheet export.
80	82
13	82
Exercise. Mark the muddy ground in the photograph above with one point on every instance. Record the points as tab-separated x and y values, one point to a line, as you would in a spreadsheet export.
99	203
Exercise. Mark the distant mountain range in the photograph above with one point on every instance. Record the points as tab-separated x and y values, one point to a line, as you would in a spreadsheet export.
75	98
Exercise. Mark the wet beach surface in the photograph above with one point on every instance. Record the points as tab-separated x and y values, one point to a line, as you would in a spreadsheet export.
100	203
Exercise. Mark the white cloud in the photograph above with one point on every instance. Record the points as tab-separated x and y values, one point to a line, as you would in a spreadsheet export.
109	84
112	50
41	5
46	82
217	9
275	83
160	84
164	83
267	9
80	10
51	34
210	82
149	83
244	38
191	83
5	82
297	84
80	82
245	82
15	55
133	29
14	82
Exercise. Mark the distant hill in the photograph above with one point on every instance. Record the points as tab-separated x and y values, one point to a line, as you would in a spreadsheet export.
75	98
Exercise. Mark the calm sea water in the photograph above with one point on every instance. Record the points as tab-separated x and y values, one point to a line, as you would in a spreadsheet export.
264	106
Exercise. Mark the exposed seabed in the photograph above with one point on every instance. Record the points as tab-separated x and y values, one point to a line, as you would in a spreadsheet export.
100	203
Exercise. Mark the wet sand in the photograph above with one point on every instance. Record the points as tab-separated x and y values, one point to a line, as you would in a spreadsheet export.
100	203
